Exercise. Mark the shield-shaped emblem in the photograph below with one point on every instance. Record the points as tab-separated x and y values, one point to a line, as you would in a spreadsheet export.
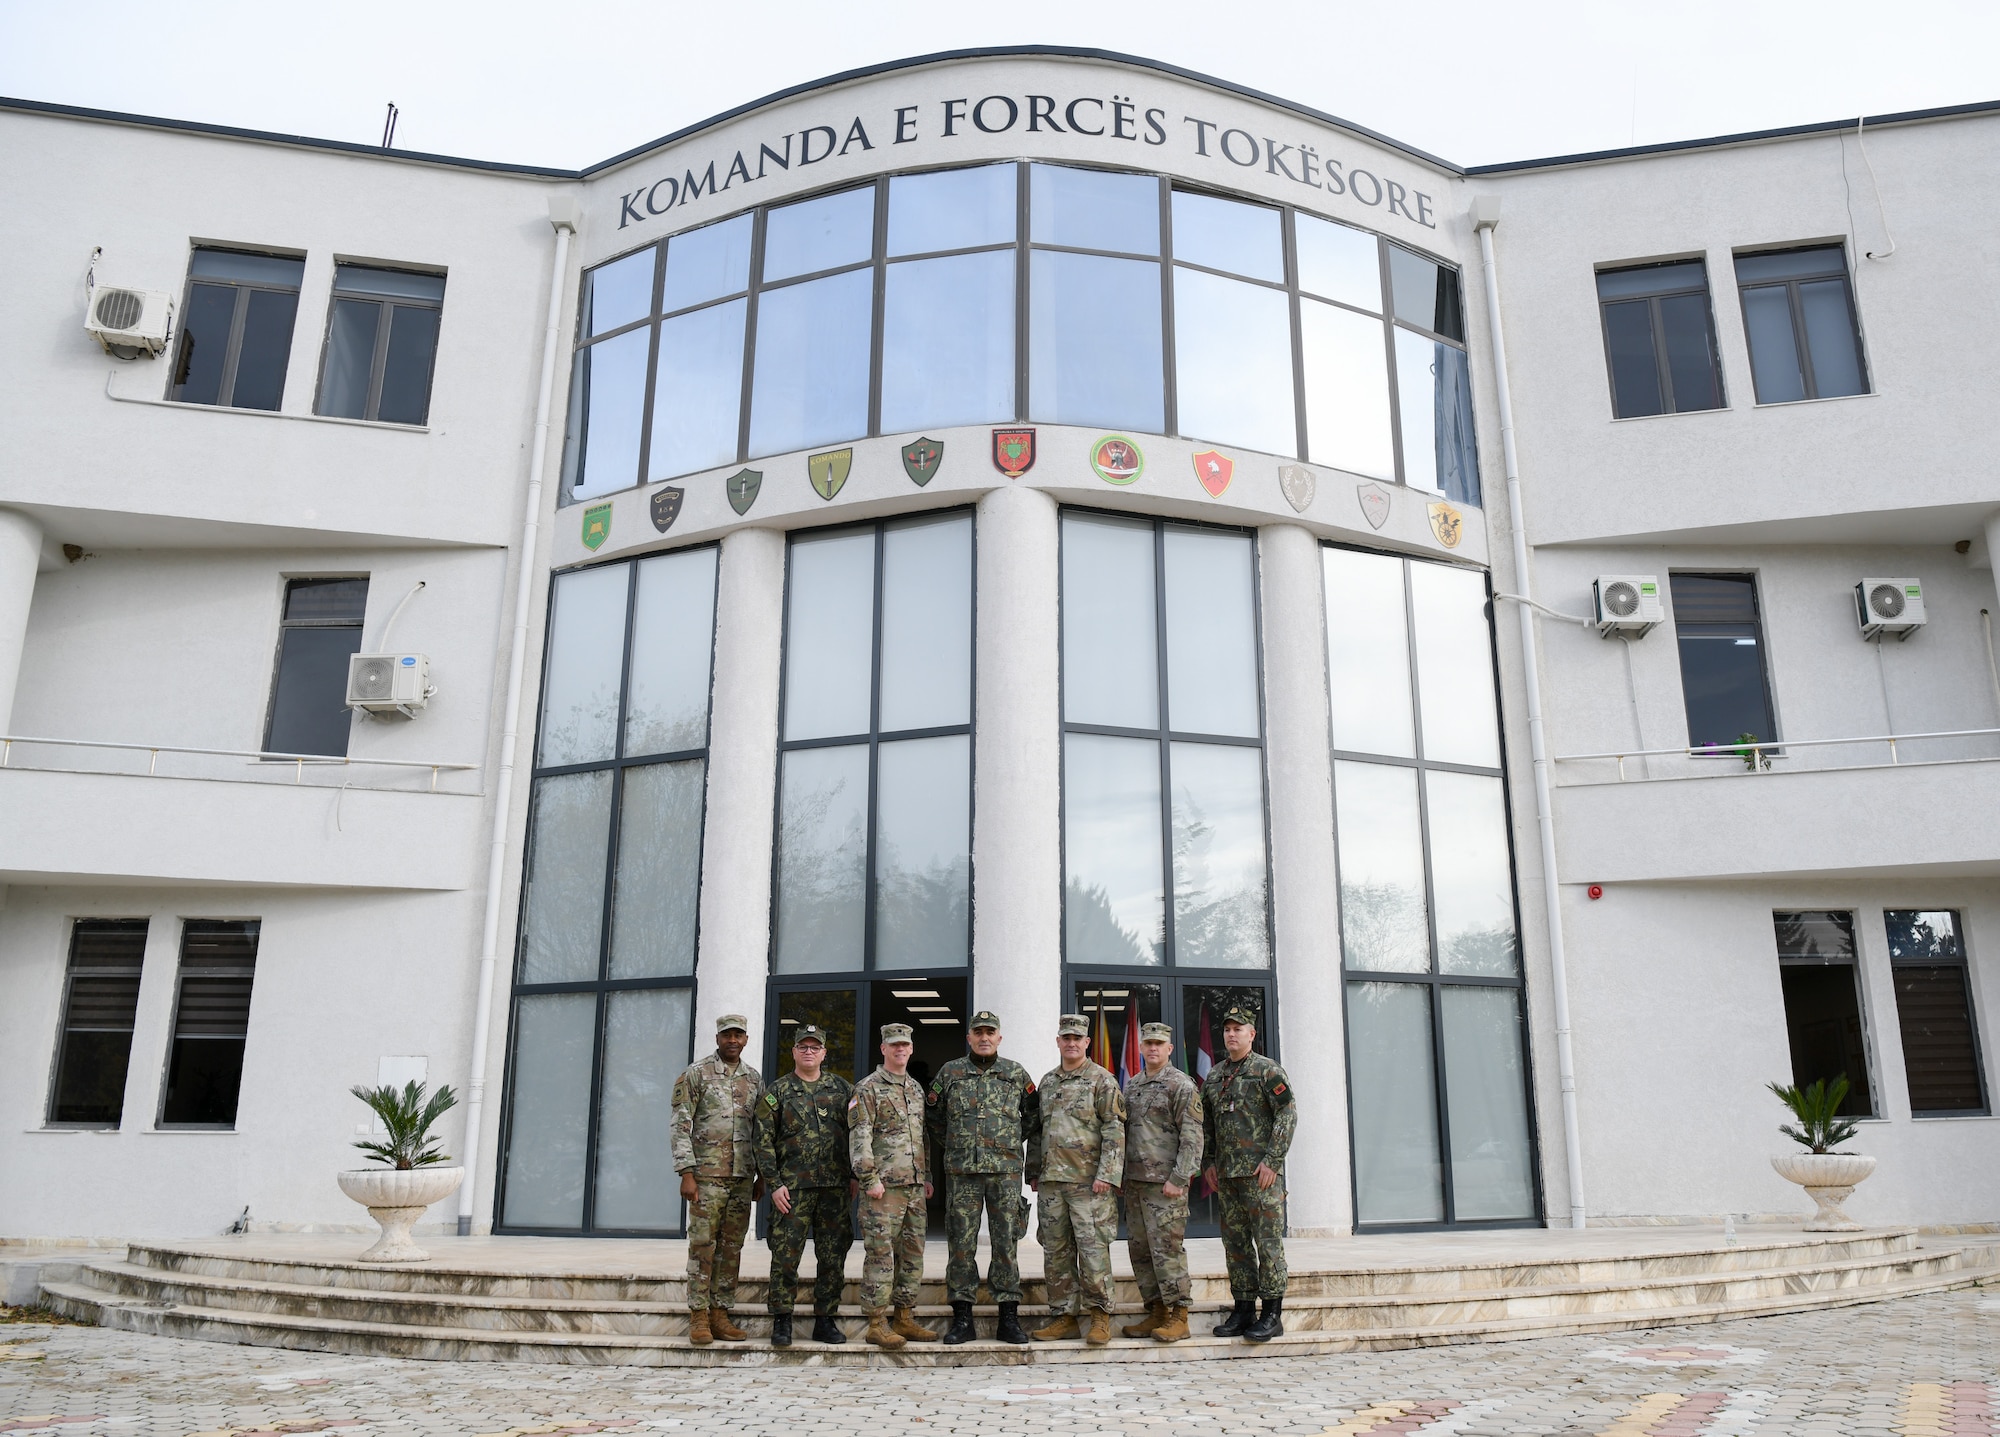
596	526
921	460
1013	451
1214	471
1298	485
1117	460
742	488
828	471
1447	523
1374	504
667	507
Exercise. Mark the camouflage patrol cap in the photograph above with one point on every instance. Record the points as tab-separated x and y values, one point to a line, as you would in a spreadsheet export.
985	1018
895	1032
810	1033
1156	1033
1073	1025
726	1021
1240	1013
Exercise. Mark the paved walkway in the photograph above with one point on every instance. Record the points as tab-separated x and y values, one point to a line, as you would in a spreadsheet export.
1918	1367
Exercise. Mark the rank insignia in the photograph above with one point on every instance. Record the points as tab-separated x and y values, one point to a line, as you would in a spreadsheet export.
921	460
1117	460
1013	451
1298	485
596	526
666	507
1374	504
828	471
1447	523
1214	471
742	488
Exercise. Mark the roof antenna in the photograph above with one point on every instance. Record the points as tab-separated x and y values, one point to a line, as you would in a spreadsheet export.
389	126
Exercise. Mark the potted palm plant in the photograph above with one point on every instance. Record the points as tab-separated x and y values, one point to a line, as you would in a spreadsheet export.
1828	1177
412	1175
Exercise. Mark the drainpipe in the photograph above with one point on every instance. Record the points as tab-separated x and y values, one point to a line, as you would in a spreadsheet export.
1485	216
562	215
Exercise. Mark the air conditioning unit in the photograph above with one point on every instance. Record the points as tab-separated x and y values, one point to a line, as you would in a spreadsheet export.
130	322
1628	603
389	683
1889	606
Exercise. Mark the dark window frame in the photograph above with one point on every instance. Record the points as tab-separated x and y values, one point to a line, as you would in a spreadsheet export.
378	362
1657	330
1801	350
1961	960
191	927
1724	748
285	625
1870	1088
64	1027
226	384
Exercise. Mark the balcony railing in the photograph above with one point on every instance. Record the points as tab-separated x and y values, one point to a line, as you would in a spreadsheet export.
14	747
1756	757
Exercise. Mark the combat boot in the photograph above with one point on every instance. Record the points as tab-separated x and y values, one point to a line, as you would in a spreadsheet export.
961	1325
1009	1329
911	1330
879	1333
723	1328
1271	1324
827	1329
1173	1328
1100	1329
698	1332
1156	1313
1239	1321
781	1329
1061	1325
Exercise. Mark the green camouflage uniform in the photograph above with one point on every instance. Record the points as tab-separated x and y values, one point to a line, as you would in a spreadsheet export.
1083	1142
1164	1139
982	1110
1249	1118
714	1138
885	1143
802	1147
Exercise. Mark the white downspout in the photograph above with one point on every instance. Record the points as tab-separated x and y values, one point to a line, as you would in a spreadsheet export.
562	215
1485	216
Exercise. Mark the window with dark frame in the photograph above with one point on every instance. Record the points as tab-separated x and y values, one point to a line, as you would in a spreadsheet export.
1659	339
1725	684
236	329
318	632
1941	1054
1799	319
1824	1028
211	1023
381	344
100	1003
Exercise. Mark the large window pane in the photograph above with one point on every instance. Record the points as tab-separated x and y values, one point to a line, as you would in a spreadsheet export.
658	885
1382	922
829	634
1417	378
1934	1011
822	859
673	635
1635	363
569	836
1211	633
1113	906
1347	390
697	390
607	401
825	233
1831	339
1454	665
204	343
1425	293
1774	359
1233	362
1486	1104
951	209
1095	354
100	1009
1456	445
927	624
1472	881
549	1109
406	368
706	264
645	1048
350	357
1219	865
1339	263
1228	235
1690	342
1090	209
615	294
812	363
923	862
266	349
1397	1175
1824	1029
948	341
1110	664
586	646
1368	654
309	712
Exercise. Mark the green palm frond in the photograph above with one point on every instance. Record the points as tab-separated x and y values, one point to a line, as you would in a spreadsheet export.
1817	1107
407	1116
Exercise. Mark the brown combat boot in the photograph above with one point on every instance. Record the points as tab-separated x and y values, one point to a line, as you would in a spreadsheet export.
1156	1314
880	1333
698	1332
1100	1329
908	1328
722	1327
1060	1325
1175	1326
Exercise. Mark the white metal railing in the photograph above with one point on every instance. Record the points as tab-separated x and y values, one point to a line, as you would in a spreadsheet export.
298	760
1754	755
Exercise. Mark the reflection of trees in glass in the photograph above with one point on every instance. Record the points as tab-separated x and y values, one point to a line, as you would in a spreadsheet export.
821	868
1917	934
922	916
831	1010
581	730
1214	926
1093	933
1488	951
1382	925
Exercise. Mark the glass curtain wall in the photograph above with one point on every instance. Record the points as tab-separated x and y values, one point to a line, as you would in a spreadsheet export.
604	974
1436	1043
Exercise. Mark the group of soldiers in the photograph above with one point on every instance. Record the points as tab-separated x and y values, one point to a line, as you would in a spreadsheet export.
817	1143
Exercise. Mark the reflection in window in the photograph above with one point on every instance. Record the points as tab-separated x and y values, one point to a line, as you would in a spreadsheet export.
811	385
1821	977
381	338
1233	362
1660	339
952	209
696	389
827	233
1798	314
1721	640
1934	1011
1247	240
948	341
1339	263
236	329
1094	338
1094	209
1347	390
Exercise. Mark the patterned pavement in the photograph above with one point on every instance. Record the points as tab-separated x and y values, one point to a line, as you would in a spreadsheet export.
1916	1367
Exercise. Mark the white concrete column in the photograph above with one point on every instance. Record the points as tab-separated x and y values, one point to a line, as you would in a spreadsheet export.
1016	828
20	554
742	786
1305	903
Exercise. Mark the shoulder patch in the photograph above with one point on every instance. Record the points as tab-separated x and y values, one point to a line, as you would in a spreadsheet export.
1031	1087
771	1100
1282	1092
854	1102
937	1085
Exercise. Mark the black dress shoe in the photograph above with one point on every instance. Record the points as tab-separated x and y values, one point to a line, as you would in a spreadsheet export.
1271	1324
781	1329
1010	1325
1240	1321
826	1329
961	1325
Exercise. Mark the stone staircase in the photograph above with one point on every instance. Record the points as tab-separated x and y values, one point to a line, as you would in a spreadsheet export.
461	1312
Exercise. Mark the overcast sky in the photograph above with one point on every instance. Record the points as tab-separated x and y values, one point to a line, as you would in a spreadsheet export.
576	81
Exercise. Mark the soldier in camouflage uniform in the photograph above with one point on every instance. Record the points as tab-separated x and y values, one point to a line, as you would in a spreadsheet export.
1249	1116
715	1106
982	1110
1164	1138
1077	1175
885	1120
802	1159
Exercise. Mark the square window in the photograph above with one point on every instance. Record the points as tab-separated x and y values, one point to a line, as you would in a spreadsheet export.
236	329
1659	339
1798	315
381	343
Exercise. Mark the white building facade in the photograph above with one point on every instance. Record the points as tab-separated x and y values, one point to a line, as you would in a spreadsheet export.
1021	530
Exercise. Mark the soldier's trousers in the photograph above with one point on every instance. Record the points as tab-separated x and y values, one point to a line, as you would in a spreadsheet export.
1253	1237
1076	1228
998	1195
892	1236
718	1220
821	1214
1156	1235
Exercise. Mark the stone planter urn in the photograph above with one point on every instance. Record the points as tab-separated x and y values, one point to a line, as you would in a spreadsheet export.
396	1198
1829	1180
